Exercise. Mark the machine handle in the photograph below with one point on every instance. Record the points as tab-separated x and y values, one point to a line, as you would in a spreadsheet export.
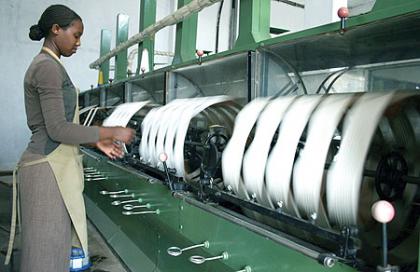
114	192
118	202
94	175
176	251
121	196
157	211
129	207
90	170
200	259
96	179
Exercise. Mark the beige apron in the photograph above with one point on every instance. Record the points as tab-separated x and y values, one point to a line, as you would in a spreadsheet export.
66	164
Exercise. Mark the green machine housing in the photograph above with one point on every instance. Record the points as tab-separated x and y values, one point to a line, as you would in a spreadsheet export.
376	52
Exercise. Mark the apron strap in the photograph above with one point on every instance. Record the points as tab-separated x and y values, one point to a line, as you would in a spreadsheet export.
13	220
16	208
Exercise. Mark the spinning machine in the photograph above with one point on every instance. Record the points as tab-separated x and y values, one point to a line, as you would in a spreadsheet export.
304	157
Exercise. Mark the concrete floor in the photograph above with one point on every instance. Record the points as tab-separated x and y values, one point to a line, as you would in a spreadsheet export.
101	255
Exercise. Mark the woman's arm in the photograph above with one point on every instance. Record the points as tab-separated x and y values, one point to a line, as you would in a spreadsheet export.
49	80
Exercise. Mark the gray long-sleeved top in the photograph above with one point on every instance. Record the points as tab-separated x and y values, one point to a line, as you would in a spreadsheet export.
50	103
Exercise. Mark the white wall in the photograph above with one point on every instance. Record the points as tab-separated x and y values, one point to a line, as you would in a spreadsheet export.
287	17
17	51
322	12
206	27
165	38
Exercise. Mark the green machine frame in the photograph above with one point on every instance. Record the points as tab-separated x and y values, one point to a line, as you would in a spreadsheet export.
179	220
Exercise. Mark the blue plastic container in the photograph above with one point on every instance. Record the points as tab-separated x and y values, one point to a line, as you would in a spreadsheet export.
78	260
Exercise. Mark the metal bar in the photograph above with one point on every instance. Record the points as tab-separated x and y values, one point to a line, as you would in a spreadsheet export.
147	18
408	179
178	16
128	92
102	97
384	246
299	223
121	61
249	76
105	48
254	22
233	23
291	3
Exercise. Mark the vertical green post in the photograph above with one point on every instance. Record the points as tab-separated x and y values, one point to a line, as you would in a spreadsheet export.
147	18
121	57
105	48
186	36
254	22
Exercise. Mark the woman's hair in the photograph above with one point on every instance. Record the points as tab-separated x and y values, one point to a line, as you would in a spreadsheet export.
55	14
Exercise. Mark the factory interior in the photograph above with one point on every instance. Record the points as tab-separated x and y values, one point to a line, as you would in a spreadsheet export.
269	135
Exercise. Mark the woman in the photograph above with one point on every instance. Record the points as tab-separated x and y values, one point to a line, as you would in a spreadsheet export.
50	171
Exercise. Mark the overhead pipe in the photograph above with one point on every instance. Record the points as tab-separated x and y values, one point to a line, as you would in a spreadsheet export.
174	18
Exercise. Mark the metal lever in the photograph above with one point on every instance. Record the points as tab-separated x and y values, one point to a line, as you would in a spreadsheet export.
157	211
200	259
121	196
96	179
90	172
93	175
176	251
113	193
163	158
384	212
129	207
118	202
245	269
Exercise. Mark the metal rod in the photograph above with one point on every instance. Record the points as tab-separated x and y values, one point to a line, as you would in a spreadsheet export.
142	212
372	173
291	3
299	223
408	179
384	245
168	176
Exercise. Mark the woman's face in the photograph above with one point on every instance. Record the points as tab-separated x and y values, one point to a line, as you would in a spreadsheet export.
68	39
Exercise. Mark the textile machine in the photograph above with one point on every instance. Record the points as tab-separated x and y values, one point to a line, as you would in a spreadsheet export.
269	158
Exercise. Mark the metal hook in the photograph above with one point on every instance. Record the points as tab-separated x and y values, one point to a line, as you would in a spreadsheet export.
118	202
157	211
114	192
176	251
200	259
129	207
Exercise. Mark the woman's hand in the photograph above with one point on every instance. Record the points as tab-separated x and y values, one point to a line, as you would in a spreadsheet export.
125	135
116	134
111	149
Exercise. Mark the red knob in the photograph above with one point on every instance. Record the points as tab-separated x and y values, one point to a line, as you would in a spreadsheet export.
343	12
383	211
200	53
163	157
